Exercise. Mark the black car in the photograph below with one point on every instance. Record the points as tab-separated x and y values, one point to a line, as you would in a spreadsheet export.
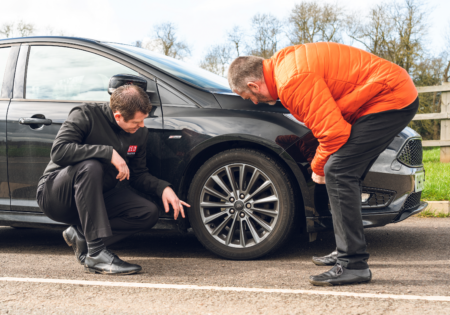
245	169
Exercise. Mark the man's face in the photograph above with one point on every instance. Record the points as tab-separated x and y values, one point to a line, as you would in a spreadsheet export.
257	98
257	92
132	125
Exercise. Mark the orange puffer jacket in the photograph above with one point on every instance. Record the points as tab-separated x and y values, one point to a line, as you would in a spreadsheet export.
328	86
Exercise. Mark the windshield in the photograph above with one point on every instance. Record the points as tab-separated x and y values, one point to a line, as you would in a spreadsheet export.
180	69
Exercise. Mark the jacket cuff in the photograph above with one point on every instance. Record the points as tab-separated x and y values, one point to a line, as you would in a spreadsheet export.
162	184
107	153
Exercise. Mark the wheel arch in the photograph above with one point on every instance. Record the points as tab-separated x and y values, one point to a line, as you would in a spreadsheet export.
207	149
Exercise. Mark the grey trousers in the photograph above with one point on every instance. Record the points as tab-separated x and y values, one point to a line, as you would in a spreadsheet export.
74	195
346	169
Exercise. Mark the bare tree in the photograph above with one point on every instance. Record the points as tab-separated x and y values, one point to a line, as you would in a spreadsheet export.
394	31
376	32
217	60
7	29
446	54
236	36
25	29
267	31
51	31
165	41
410	27
311	22
138	43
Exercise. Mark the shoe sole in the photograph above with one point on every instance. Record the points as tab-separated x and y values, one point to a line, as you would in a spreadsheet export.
322	264
70	244
92	270
328	284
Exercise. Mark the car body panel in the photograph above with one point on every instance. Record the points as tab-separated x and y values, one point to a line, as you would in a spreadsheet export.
188	126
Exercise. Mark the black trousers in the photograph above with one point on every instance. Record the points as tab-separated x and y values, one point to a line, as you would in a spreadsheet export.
74	196
345	171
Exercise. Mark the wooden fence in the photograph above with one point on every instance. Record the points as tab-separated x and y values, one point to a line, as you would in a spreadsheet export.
444	116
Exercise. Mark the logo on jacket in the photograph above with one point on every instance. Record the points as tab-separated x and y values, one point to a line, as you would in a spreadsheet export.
132	149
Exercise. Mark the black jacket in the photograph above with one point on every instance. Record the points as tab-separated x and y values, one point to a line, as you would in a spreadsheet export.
91	132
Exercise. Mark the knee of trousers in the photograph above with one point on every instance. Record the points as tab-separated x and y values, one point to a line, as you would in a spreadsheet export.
90	168
150	216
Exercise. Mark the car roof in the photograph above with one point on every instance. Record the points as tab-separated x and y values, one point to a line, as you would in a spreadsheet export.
60	39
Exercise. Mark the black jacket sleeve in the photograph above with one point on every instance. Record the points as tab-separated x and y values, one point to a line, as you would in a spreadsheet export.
68	149
140	178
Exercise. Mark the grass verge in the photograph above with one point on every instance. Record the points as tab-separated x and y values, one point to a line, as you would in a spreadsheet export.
437	176
431	214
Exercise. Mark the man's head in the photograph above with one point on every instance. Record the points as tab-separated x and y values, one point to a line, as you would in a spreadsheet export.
246	78
130	106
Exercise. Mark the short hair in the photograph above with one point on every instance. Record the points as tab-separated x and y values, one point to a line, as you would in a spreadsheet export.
128	100
245	69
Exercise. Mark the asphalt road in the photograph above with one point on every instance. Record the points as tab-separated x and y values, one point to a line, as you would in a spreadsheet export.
409	258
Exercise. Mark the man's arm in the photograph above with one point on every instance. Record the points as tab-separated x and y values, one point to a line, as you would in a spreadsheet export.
143	181
140	178
68	147
309	100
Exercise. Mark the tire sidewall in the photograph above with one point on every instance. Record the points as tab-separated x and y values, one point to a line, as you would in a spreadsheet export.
285	196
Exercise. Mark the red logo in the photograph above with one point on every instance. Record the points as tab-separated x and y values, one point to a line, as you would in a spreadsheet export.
132	149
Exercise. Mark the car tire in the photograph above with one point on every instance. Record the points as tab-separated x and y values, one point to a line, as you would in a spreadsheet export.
256	219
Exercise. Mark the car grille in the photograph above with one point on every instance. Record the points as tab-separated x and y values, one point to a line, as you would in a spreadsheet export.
379	198
411	154
413	201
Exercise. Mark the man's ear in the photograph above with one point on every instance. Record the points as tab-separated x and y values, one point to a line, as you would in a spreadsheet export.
117	115
254	87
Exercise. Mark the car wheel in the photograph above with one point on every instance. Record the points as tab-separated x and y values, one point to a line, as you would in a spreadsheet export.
242	204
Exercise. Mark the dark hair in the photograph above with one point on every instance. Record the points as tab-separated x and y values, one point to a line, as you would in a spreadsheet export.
128	100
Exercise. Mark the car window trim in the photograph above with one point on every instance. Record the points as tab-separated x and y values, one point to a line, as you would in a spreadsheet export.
10	71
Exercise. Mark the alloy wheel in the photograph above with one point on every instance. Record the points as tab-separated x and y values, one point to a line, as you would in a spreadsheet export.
239	205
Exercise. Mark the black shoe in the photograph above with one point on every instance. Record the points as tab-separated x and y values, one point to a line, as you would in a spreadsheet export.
107	263
328	260
339	275
77	241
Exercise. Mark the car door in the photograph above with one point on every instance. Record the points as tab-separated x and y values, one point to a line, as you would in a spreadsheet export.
8	59
51	80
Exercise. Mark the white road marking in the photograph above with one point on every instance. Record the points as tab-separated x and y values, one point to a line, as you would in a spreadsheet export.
234	289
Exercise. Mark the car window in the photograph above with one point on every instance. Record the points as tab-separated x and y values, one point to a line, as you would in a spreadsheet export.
61	73
180	69
169	98
4	53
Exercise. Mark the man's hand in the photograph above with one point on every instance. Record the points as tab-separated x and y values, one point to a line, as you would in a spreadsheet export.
318	179
169	197
121	165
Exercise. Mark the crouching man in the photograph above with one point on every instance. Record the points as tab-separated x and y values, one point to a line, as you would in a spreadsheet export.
96	147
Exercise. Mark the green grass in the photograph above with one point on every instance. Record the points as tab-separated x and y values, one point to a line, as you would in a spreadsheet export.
431	214
437	176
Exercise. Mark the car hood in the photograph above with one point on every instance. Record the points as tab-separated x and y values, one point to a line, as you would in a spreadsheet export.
234	101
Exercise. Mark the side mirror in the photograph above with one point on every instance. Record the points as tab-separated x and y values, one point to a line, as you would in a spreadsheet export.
122	79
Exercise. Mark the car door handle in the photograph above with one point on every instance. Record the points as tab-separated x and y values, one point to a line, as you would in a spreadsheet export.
35	121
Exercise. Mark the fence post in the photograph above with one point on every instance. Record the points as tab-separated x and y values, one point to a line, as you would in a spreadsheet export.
445	125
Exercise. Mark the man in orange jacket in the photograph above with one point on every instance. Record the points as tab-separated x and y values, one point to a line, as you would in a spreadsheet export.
355	103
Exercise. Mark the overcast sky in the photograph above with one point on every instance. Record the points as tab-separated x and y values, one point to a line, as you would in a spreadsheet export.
201	23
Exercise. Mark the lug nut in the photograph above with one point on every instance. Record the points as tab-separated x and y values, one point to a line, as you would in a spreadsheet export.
248	206
232	211
242	196
242	214
231	199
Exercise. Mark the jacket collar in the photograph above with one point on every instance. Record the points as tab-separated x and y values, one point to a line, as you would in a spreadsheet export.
107	111
269	79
